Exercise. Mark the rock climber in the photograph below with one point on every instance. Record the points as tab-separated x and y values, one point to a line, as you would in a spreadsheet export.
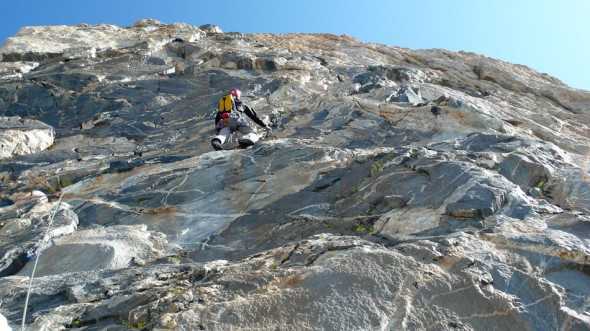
229	118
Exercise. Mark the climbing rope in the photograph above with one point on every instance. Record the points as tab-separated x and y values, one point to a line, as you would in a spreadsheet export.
36	196
51	217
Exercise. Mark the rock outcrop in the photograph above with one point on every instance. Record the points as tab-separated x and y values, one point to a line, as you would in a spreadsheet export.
399	189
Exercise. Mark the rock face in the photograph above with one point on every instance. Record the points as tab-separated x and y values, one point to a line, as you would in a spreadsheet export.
399	189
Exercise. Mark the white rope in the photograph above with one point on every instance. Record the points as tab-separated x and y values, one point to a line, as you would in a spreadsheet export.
37	258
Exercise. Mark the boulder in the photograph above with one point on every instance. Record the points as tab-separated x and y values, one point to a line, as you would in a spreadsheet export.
93	249
20	136
4	323
25	229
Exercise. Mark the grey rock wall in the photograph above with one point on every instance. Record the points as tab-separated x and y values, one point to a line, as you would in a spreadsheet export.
399	189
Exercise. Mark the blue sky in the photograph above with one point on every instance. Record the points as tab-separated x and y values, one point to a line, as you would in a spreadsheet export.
549	36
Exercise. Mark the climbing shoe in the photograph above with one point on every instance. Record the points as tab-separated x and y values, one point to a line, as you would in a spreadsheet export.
245	143
216	143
